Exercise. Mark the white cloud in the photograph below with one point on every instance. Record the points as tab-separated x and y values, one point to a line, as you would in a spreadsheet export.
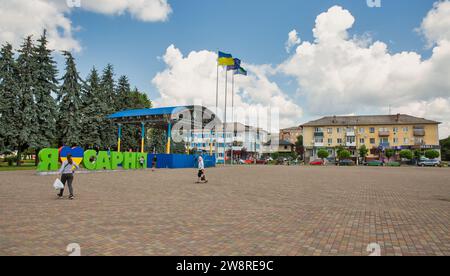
19	18
337	74
192	79
435	26
293	40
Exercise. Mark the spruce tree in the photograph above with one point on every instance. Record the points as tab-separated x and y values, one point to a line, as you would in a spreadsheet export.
46	85
92	111
69	109
26	112
108	132
9	124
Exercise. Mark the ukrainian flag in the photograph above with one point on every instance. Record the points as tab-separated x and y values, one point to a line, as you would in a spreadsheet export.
225	59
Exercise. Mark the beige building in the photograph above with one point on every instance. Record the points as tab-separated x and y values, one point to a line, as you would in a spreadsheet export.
290	134
377	133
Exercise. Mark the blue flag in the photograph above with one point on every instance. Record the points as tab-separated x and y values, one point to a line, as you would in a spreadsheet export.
237	64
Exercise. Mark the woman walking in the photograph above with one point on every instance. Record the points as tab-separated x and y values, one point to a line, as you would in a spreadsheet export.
201	171
67	172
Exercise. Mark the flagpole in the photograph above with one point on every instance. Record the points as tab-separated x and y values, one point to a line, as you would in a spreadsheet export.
225	118
232	117
217	106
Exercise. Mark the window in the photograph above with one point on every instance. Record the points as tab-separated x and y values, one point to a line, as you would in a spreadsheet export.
362	141
384	140
362	130
405	129
395	129
330	141
372	130
395	140
372	141
351	139
330	130
338	130
318	140
405	141
383	129
318	129
339	140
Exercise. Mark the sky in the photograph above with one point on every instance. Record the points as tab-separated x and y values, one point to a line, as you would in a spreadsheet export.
306	58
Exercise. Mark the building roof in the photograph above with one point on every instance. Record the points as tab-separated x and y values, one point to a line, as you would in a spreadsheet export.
399	119
296	128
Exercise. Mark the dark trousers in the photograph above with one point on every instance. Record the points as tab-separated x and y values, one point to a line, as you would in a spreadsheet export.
67	178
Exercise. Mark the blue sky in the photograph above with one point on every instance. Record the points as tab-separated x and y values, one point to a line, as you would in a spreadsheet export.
359	60
254	30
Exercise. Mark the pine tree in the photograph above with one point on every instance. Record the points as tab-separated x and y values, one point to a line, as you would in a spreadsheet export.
26	112
108	132
69	109
9	125
92	111
46	85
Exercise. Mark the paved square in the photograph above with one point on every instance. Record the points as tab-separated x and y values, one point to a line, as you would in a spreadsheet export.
242	211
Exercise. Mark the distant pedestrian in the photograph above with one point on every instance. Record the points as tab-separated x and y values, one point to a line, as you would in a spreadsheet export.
201	171
142	161
154	162
67	172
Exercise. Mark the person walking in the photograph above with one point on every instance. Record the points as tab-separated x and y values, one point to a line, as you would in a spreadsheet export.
154	162
67	172
201	171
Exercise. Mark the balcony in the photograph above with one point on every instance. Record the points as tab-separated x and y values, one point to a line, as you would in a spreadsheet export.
419	132
385	145
318	134
384	133
318	144
350	133
350	144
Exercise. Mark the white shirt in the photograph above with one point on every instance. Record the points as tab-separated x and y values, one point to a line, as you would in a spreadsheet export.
67	168
201	164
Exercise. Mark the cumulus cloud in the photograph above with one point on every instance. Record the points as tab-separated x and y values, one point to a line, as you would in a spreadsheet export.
435	26
337	74
191	79
293	40
19	18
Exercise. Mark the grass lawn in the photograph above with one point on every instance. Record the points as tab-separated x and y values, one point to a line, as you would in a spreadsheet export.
26	166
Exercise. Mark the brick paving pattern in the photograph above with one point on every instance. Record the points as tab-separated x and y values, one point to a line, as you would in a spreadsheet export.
242	211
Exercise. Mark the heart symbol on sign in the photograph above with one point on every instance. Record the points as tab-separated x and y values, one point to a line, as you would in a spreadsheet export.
76	152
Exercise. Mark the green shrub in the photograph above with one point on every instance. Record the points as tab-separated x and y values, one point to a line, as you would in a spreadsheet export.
323	154
406	154
432	154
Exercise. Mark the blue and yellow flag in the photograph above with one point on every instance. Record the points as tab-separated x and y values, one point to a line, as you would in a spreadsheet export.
225	59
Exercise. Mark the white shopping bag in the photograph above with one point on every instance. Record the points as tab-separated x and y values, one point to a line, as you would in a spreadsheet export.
58	185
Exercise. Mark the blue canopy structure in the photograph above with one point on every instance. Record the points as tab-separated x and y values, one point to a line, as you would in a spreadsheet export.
193	116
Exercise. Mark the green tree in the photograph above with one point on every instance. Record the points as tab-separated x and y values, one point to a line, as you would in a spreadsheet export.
157	140
70	105
9	125
108	131
406	154
299	145
343	154
26	112
418	154
363	152
46	85
323	154
432	154
445	149
92	107
389	153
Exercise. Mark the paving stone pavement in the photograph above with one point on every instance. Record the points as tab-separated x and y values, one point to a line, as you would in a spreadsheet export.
252	210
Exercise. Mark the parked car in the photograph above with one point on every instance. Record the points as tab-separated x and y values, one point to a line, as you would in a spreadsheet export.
425	162
374	163
346	162
317	162
262	162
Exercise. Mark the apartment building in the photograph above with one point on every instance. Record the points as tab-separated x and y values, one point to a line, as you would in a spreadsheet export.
377	133
245	141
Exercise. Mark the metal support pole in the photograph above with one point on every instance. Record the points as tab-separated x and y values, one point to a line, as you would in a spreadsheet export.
119	137
142	137
169	137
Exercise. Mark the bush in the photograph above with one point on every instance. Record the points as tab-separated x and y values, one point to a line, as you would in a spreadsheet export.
323	154
432	154
389	153
344	154
406	154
